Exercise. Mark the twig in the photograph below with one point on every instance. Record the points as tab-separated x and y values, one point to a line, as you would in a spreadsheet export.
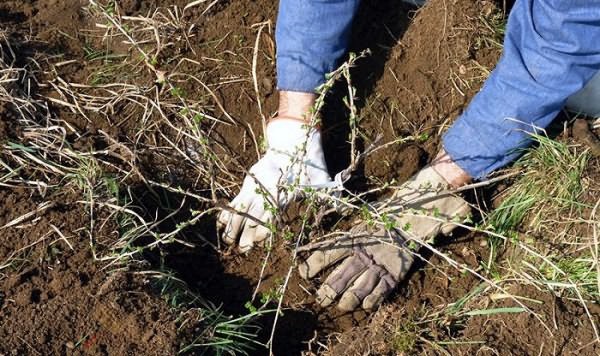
254	75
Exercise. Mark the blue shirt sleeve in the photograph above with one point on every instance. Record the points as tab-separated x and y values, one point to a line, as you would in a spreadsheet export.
551	50
311	37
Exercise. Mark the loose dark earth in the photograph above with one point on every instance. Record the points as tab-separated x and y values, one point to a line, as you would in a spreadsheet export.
63	292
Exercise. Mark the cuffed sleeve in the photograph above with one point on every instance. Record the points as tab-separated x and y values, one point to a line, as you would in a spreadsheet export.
551	50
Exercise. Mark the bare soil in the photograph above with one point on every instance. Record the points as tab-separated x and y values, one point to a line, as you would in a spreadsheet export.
424	68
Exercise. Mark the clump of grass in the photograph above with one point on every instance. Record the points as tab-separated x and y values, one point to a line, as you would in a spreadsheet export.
571	273
404	338
493	29
218	333
549	186
541	213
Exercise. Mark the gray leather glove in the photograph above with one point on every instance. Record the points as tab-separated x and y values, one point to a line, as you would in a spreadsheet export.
374	260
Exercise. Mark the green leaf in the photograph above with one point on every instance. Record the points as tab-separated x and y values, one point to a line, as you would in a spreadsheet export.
495	311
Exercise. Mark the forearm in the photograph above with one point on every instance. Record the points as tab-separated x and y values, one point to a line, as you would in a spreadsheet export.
550	51
311	37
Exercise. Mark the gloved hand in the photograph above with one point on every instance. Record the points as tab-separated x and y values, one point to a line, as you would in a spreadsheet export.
294	157
374	260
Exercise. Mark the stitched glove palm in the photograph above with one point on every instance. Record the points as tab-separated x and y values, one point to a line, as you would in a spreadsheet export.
294	157
374	260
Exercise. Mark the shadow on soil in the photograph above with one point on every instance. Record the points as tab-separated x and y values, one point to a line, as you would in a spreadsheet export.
202	268
378	27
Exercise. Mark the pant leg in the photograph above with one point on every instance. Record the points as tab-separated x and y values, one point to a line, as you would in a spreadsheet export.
311	37
587	100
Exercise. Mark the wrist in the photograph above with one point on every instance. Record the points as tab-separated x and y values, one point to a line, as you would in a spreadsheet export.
450	171
296	105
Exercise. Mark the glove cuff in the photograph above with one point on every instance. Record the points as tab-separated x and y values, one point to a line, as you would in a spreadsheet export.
288	139
426	192
288	135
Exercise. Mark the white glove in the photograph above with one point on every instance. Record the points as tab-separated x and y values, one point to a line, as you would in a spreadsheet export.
294	158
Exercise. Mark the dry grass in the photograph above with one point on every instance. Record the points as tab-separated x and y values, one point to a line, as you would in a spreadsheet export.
171	126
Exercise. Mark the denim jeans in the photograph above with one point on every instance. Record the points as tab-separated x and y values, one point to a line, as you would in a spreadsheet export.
551	50
587	100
